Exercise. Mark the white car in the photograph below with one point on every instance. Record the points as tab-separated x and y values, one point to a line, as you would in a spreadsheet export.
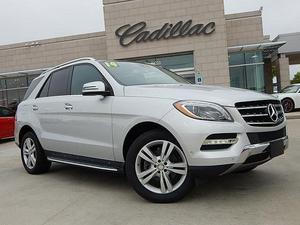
147	122
290	97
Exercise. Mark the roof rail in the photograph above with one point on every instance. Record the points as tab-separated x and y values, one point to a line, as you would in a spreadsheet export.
69	62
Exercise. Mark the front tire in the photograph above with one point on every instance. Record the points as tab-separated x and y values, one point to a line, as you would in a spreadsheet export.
33	156
157	168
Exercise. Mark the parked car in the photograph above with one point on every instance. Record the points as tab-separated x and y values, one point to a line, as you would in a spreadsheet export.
147	122
290	97
7	123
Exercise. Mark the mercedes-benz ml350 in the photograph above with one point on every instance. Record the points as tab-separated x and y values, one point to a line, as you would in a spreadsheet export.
146	122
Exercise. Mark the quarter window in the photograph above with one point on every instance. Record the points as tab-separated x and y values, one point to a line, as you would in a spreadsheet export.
32	86
59	82
83	74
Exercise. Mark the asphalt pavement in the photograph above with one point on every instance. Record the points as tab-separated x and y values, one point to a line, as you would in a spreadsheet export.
270	195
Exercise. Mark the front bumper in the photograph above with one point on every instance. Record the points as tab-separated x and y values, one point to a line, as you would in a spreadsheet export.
254	146
257	154
251	156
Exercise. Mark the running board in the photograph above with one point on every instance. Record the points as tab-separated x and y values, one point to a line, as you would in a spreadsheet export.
81	164
83	161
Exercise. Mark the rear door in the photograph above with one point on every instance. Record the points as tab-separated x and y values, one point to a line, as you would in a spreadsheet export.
50	110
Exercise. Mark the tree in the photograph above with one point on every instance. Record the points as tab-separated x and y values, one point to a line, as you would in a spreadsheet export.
296	78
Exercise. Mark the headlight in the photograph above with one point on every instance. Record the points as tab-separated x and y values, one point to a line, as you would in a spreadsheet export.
203	111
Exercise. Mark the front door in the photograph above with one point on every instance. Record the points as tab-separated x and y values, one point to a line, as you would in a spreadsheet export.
89	124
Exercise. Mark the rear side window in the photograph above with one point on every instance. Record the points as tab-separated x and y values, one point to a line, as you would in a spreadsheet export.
59	82
83	74
4	112
32	86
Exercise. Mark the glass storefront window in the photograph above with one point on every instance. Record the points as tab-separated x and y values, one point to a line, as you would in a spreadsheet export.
247	70
242	58
253	57
236	59
3	99
12	83
255	78
12	89
238	77
2	84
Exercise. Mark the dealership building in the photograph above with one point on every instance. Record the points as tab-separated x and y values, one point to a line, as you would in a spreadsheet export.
192	38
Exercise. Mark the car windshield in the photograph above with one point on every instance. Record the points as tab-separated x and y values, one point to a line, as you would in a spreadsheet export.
129	74
291	89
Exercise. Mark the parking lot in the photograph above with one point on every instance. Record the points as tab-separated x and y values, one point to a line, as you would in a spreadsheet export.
270	195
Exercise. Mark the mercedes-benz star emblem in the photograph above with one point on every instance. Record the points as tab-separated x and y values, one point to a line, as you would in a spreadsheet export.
272	111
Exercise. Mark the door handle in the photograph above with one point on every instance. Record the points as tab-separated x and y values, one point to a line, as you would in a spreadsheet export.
35	108
68	106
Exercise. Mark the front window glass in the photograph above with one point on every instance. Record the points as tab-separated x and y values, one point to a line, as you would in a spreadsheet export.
291	89
83	74
129	74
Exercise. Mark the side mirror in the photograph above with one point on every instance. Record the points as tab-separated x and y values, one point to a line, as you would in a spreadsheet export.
95	88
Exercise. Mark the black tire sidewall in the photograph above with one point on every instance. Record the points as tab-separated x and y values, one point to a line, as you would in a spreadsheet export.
140	142
42	164
291	101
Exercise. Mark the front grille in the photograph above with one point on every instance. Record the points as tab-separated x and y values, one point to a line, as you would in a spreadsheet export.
262	137
256	113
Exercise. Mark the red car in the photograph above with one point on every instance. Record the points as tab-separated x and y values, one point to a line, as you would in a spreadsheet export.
7	123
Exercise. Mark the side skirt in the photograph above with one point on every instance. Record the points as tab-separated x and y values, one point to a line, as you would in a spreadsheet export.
84	161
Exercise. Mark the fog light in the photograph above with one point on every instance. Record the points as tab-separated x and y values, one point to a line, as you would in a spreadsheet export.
230	141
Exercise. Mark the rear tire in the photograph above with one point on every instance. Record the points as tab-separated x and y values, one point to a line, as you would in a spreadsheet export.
288	105
157	169
33	156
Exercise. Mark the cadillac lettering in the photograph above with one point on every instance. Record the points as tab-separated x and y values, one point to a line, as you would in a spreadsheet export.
129	34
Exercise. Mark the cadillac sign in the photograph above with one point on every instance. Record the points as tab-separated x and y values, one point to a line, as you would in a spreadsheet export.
137	33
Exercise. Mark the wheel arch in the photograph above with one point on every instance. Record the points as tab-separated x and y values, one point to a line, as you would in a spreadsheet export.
139	129
25	129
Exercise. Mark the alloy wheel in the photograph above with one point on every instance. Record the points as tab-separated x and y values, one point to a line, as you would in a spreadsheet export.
29	153
161	167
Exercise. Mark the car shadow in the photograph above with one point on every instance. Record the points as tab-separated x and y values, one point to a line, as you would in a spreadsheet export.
4	141
229	187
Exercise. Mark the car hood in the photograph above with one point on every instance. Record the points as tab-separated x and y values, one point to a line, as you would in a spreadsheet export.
220	95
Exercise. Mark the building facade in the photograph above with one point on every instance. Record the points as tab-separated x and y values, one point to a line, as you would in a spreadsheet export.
193	38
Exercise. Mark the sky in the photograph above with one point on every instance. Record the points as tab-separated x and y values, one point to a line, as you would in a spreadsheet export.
27	20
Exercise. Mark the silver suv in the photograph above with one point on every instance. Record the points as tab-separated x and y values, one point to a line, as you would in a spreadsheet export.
147	122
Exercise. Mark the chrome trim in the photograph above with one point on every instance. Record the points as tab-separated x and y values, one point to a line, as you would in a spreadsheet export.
81	164
69	62
252	107
267	123
254	115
